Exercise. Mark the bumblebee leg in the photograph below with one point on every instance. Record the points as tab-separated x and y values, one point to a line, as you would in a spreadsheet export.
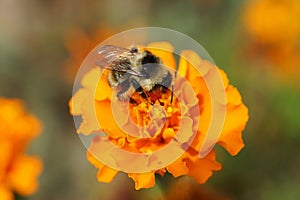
124	88
166	82
122	93
122	96
132	101
155	87
136	85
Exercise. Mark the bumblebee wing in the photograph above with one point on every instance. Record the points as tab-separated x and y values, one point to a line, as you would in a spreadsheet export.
109	54
126	68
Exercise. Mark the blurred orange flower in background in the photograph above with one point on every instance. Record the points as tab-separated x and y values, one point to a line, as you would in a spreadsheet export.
184	188
18	171
78	44
273	32
99	96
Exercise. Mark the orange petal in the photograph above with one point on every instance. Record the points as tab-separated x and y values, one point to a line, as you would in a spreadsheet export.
103	90
16	122
106	119
202	169
5	194
178	168
189	64
143	180
189	95
93	160
30	126
100	152
6	153
235	122
77	101
233	96
224	78
91	79
105	174
23	175
89	119
205	116
106	151
83	102
186	131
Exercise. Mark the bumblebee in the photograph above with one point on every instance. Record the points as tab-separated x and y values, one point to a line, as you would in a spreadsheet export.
133	69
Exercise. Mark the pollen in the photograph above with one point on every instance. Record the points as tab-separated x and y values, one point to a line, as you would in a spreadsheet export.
168	133
169	109
147	151
157	112
143	106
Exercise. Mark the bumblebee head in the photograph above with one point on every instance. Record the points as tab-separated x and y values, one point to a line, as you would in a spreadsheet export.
134	49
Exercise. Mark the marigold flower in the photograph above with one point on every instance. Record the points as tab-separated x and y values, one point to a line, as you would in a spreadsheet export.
185	188
18	171
273	21
273	32
142	130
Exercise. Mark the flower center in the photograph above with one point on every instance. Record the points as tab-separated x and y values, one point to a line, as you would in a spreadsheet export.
156	115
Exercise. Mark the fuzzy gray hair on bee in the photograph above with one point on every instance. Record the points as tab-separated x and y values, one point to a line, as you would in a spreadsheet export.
134	69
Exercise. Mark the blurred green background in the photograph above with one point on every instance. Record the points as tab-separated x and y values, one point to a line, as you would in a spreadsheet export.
42	44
